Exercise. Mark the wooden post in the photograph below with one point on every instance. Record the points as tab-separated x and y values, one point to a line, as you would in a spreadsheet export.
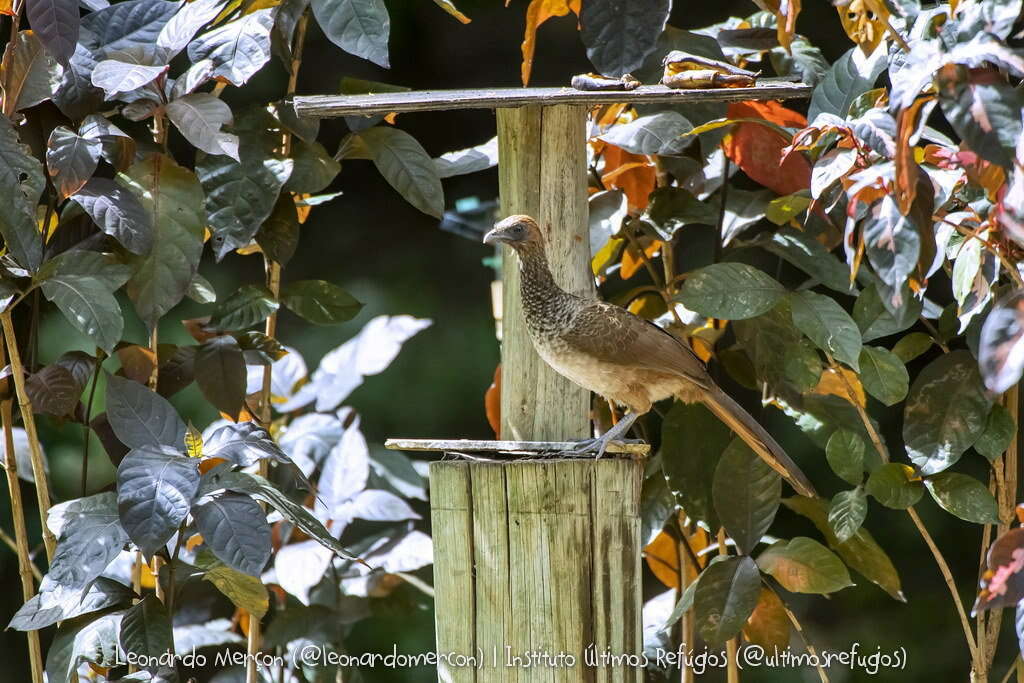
542	172
537	569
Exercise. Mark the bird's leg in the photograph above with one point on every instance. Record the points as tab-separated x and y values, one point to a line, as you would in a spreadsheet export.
613	434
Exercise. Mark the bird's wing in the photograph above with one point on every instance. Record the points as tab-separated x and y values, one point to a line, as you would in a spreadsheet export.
613	334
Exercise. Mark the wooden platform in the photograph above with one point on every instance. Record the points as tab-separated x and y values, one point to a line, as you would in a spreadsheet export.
539	449
327	106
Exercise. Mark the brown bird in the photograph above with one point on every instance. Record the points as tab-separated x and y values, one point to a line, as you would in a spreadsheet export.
629	360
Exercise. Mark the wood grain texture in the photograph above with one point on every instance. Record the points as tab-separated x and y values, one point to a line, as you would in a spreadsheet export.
553	558
329	106
552	449
543	174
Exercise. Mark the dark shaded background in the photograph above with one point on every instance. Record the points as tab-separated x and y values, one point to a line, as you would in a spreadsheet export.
396	260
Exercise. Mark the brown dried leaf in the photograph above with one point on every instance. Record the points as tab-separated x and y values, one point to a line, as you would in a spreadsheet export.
865	21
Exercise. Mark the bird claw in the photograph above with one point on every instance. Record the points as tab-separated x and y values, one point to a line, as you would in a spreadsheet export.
600	444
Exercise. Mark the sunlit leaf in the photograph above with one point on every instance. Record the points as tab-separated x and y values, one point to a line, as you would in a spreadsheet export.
359	27
235	529
732	291
768	626
155	489
537	12
237	49
199	117
851	75
845	455
85	639
963	496
248	306
803	565
244	591
71	159
141	418
883	375
847	512
23	175
117	212
827	325
758	152
57	24
659	133
31	73
895	485
1001	346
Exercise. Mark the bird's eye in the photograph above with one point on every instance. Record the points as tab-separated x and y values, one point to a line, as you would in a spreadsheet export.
518	228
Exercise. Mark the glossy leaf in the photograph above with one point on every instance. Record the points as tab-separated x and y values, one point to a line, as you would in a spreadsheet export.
23	174
946	411
244	444
155	489
875	320
809	255
220	373
179	30
1000	430
54	390
661	133
57	23
406	166
359	27
827	325
963	496
235	529
845	454
895	485
746	494
245	592
84	640
54	603
117	212
851	75
1001	346
71	159
726	595
199	117
619	37
732	291
89	537
911	346
33	75
689	463
173	198
146	629
320	302
803	565
847	512
237	49
883	375
141	418
247	307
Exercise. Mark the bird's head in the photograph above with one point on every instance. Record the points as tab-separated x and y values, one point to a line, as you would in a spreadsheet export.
515	231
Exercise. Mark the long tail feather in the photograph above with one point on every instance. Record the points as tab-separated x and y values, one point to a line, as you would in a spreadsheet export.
757	437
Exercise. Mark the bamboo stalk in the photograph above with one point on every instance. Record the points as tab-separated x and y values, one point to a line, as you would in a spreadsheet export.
25	565
28	419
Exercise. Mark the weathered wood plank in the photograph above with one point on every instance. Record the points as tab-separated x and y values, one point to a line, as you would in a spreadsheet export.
507	447
543	174
451	518
555	567
328	106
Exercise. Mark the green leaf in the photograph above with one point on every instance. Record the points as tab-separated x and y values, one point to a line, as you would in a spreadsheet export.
1000	352
146	629
85	296
782	210
802	565
883	375
731	291
57	23
359	27
314	168
117	212
71	159
173	198
200	116
53	390
689	463
221	375
235	529
963	496
827	325
155	489
726	596
1000	430
250	305
244	591
673	208
851	75
406	166
845	455
89	538
238	49
892	243
320	302
742	210
809	255
279	235
36	75
51	606
895	486
946	411
746	494
861	551
803	60
140	417
240	196
802	366
22	175
619	40
875	320
85	639
847	512
911	346
986	116
766	339
661	133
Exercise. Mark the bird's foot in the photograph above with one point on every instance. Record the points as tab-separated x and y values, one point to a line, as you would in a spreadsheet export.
598	445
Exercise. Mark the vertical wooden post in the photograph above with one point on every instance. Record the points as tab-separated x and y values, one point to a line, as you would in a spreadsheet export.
542	172
537	562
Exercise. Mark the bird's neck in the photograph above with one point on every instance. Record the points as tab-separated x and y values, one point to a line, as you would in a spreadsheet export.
545	304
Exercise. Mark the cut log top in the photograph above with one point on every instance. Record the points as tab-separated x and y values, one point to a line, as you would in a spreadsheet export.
527	448
328	106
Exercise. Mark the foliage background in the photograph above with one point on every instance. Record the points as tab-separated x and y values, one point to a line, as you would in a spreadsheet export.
395	260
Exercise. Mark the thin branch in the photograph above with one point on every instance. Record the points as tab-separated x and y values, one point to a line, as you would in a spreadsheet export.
719	237
28	419
806	642
950	582
731	645
88	418
1009	267
876	440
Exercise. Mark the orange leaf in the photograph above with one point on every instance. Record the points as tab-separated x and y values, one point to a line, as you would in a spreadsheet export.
663	553
492	403
632	261
768	626
831	383
634	174
785	12
136	362
208	464
907	170
537	13
194	542
759	152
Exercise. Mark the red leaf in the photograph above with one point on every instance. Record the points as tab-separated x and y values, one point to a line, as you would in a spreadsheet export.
759	152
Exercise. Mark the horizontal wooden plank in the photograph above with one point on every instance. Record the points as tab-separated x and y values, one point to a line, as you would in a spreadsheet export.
512	447
328	106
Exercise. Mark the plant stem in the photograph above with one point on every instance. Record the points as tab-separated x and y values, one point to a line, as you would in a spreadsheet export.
88	418
26	568
806	642
876	440
950	583
732	645
719	237
28	419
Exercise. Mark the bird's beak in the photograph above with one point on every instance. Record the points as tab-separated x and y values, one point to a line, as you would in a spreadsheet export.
493	237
